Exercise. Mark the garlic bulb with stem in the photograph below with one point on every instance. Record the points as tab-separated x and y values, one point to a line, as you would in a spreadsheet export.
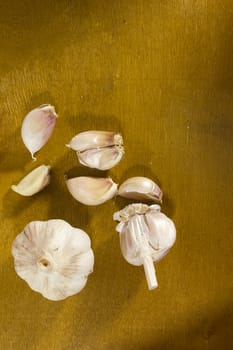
33	182
140	188
53	257
91	190
146	235
37	127
98	149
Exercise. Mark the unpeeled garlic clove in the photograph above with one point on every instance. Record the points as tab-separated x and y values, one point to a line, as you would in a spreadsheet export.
98	149
101	158
146	235
37	127
94	139
53	257
140	188
91	190
34	182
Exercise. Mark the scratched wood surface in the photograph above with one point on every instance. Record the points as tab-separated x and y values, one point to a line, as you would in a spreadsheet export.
160	72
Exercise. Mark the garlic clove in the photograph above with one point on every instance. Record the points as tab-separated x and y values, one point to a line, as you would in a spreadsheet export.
94	139
53	257
101	158
98	149
140	188
37	127
162	233
91	190
34	182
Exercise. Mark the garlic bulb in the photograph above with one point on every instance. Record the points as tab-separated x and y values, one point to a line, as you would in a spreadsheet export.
98	149
91	190
37	127
34	182
140	188
53	257
146	235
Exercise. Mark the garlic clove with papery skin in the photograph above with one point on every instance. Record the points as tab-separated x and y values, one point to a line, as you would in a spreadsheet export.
37	127
34	182
140	188
91	190
101	158
146	236
94	139
53	257
98	149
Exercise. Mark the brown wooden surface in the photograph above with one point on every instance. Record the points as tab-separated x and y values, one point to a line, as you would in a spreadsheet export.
160	72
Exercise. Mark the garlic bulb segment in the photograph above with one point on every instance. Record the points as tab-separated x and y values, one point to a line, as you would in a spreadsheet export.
37	127
98	149
53	257
91	190
140	188
94	139
34	182
101	158
146	235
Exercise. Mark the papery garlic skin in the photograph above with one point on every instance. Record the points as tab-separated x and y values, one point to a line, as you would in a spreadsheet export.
146	235
34	182
91	190
53	257
98	149
37	127
140	188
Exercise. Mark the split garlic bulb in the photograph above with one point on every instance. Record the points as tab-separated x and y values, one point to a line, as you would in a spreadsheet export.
98	149
146	235
37	127
53	257
140	188
91	190
34	182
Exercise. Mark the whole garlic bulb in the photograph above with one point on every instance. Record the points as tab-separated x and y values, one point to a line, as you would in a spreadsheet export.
37	127
146	235
53	257
98	149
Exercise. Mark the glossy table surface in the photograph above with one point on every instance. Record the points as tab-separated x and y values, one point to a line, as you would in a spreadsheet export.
161	73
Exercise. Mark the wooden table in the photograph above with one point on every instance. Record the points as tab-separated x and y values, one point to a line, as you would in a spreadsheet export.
160	72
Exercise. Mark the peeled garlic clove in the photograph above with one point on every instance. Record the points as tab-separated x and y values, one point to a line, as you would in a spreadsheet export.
37	127
101	158
34	182
140	188
94	139
53	257
91	190
146	235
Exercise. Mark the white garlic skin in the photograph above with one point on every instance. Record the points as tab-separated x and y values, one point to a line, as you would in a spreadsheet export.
145	237
140	188
53	257
37	127
91	190
33	182
98	149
